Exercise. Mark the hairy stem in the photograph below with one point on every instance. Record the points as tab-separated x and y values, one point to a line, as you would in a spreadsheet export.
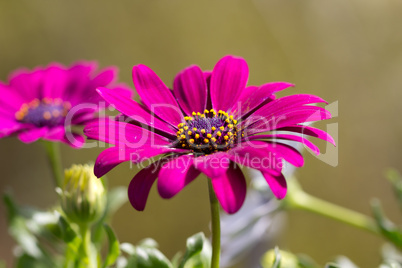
53	155
216	227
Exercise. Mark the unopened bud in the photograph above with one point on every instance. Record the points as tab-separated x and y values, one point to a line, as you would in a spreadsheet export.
83	196
281	259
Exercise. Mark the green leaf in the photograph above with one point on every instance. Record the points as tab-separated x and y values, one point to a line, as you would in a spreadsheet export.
72	252
176	259
396	180
67	233
115	199
278	257
198	252
114	250
387	228
145	257
392	258
344	262
148	242
332	265
19	230
28	261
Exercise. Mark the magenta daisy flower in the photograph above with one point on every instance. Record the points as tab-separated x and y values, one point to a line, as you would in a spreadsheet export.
210	123
45	102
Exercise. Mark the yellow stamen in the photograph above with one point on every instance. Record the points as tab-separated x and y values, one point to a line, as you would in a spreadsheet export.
218	133
222	128
189	133
56	113
209	135
47	115
226	138
194	129
203	131
197	136
19	115
206	140
213	128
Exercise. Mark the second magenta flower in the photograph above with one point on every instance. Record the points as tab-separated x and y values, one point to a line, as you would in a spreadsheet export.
210	123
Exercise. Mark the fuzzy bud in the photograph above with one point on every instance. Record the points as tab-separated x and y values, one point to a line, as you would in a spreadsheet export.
83	197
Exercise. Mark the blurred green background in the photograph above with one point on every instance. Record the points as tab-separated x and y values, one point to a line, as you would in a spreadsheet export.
348	51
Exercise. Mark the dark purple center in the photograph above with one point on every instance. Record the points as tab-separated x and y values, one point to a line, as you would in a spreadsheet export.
207	133
43	113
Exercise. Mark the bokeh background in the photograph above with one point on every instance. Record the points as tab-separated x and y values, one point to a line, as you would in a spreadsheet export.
348	51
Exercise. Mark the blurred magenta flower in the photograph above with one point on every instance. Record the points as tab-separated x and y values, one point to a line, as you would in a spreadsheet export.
210	123
45	102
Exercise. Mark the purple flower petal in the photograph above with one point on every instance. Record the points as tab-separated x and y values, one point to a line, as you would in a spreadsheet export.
190	89
32	135
28	84
155	95
294	116
115	132
73	139
175	175
281	106
55	78
111	157
105	77
279	150
255	155
10	101
254	96
140	185
230	189
79	79
310	131
213	165
303	140
133	110
277	183
9	127
123	90
228	79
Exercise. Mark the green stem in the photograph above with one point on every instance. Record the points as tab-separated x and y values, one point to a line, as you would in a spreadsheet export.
216	227
298	199
53	155
86	246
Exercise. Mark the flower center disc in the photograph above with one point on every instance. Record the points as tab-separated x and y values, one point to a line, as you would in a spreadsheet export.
208	132
45	112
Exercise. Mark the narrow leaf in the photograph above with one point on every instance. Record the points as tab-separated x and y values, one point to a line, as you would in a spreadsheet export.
114	250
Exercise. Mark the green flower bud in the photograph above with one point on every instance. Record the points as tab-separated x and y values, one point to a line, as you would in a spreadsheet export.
286	259
83	197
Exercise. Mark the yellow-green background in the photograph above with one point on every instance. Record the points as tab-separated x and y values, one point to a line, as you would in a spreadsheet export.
345	50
